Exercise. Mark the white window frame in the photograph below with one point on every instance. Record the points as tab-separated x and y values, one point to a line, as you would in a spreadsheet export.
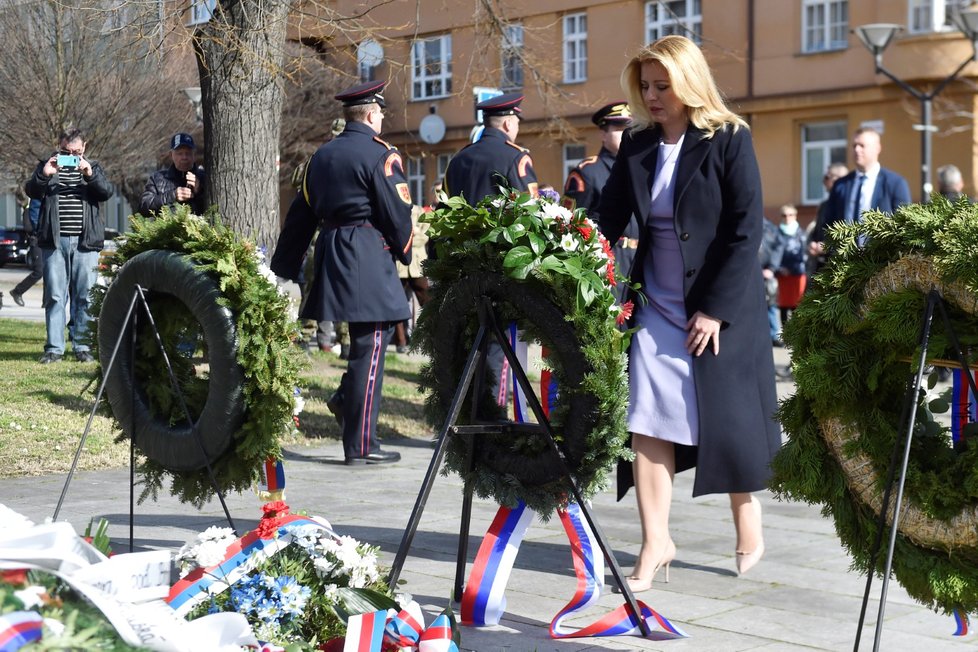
441	165
812	188
661	20
575	48
415	178
925	16
427	84
511	57
824	25
573	154
201	11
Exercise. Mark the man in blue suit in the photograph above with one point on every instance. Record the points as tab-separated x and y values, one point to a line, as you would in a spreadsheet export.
868	187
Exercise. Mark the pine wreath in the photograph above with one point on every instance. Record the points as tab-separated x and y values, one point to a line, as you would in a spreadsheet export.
262	368
551	272
851	340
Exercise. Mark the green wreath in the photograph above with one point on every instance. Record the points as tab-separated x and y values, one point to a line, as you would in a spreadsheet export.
551	272
265	365
853	339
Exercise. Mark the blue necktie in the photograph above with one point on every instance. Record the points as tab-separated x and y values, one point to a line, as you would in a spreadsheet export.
855	215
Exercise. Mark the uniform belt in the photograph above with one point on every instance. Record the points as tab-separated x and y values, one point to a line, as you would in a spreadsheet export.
628	243
348	225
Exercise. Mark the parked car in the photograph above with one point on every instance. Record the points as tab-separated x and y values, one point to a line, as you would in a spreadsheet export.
13	246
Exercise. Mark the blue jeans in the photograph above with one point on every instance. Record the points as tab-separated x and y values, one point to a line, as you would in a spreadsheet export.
773	322
69	274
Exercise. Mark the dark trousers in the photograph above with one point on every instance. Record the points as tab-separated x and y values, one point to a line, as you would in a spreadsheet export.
361	386
37	270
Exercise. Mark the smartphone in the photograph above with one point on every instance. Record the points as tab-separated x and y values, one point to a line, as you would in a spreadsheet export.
68	161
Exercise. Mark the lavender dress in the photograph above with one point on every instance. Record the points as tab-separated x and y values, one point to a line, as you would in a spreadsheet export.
663	396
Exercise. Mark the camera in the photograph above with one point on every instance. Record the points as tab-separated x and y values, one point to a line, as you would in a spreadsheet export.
68	161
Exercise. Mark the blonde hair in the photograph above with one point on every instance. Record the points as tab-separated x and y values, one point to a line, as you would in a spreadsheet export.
691	81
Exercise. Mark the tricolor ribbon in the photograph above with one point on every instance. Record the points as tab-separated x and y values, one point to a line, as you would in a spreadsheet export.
19	628
964	409
548	386
521	350
961	623
404	629
484	602
271	481
239	559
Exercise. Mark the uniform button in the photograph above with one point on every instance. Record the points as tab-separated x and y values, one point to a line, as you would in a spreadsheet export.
684	237
690	272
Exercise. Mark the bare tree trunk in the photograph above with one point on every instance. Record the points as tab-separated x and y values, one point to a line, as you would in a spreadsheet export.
239	55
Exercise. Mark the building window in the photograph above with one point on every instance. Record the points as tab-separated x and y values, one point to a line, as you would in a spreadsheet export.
825	25
441	165
574	153
575	48
512	57
431	68
664	17
415	179
201	11
821	145
932	15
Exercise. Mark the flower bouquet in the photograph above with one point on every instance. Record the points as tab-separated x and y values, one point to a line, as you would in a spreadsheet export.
294	579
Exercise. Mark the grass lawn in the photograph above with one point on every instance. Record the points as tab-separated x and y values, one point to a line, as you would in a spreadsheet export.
44	408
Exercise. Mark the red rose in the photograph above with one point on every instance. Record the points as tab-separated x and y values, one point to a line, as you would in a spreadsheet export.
274	509
14	576
333	645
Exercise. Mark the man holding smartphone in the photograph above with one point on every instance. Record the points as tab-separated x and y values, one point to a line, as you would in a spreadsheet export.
70	234
181	183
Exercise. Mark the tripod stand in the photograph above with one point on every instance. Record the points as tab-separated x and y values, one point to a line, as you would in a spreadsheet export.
474	369
934	301
131	322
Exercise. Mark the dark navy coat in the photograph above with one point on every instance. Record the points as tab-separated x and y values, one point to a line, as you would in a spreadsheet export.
583	190
480	168
890	193
718	222
354	190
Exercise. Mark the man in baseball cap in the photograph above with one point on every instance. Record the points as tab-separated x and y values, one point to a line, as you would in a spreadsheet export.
180	183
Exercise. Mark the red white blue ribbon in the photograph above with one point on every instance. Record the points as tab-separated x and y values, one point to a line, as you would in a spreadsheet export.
19	628
405	630
964	408
271	481
239	559
484	602
961	623
521	350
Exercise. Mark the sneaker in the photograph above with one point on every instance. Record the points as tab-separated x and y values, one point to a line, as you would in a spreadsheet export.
50	357
84	356
18	298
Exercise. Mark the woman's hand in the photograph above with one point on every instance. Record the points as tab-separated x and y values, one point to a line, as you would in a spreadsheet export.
702	328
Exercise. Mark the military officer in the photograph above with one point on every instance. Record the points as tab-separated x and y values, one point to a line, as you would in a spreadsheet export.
478	170
354	189
584	183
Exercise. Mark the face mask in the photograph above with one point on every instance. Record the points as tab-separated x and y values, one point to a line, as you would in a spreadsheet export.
789	229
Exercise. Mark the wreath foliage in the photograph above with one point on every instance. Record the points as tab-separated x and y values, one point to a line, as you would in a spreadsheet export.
551	272
853	339
265	332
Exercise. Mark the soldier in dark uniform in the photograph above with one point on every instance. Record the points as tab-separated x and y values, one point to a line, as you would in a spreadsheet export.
478	170
584	183
354	189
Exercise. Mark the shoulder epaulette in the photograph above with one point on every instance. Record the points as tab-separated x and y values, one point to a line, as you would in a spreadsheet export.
517	147
384	143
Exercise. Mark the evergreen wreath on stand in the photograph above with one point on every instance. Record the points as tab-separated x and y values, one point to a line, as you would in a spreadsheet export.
264	331
854	342
550	271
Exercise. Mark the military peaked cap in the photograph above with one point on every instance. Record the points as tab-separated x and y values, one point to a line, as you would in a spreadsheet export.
367	93
508	104
611	114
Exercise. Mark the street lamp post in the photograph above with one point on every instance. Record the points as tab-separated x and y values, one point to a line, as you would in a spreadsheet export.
878	36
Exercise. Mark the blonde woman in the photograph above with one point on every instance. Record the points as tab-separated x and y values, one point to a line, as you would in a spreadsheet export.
701	371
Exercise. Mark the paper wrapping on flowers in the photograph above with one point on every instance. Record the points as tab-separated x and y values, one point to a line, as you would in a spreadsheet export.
126	588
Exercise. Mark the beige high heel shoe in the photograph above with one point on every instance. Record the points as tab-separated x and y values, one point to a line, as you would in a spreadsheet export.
637	584
747	560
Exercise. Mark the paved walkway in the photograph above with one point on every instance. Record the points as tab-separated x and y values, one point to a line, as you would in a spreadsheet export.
802	596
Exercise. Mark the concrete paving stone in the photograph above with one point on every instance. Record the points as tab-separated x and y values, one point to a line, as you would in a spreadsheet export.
782	625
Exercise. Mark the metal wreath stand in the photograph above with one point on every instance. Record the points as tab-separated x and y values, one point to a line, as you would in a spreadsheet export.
474	368
130	323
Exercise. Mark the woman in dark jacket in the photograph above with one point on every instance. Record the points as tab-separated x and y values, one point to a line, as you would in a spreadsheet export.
687	169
